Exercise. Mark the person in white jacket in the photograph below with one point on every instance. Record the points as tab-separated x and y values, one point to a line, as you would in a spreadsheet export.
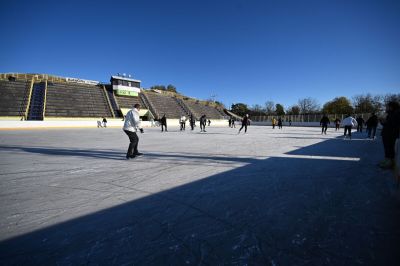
131	126
348	123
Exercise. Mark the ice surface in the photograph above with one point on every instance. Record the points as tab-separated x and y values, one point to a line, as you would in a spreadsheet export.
268	197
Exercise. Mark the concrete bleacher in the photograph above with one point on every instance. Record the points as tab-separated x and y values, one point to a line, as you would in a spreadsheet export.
164	104
198	109
14	97
76	100
128	101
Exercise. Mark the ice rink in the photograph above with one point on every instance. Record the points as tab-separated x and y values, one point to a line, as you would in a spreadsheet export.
268	197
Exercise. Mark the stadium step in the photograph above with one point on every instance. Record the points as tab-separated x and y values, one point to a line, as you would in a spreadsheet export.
37	102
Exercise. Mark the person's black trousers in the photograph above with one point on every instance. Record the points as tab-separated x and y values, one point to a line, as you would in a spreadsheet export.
388	145
359	128
324	128
245	128
162	127
134	141
347	128
371	132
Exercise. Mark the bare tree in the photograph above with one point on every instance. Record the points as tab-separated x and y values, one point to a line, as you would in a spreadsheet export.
270	107
308	105
293	110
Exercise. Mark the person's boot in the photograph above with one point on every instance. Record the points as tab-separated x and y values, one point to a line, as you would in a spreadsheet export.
387	164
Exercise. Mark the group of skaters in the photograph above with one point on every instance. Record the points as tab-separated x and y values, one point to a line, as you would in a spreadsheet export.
182	123
278	122
349	122
390	128
102	122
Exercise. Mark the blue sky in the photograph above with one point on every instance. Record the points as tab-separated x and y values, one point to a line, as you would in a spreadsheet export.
242	51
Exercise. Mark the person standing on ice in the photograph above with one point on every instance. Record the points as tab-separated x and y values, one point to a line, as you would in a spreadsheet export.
337	124
349	122
192	122
390	132
183	122
372	124
280	123
245	121
273	122
360	123
203	121
163	122
324	123
131	126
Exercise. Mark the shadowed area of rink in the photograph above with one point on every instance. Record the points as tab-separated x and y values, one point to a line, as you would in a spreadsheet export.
278	210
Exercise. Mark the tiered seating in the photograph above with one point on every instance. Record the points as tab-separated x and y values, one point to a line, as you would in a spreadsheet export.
128	101
13	97
76	100
198	109
164	104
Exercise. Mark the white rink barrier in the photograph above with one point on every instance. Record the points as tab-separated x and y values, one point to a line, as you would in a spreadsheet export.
16	124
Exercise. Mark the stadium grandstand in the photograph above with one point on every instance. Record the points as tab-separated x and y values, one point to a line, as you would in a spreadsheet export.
48	97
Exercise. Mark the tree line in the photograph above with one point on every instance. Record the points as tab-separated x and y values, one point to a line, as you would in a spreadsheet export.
363	103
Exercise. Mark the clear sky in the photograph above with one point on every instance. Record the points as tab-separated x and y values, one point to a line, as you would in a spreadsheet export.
242	51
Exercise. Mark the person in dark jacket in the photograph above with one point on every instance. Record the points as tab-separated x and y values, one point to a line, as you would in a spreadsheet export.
390	132
104	122
324	123
163	122
245	121
230	122
192	122
280	123
360	124
203	121
337	124
372	124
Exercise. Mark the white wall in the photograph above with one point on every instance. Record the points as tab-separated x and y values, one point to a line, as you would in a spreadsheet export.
4	124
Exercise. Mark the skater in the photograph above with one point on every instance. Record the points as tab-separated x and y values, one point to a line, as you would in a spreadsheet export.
324	123
372	124
360	123
183	122
230	122
192	122
280	123
390	132
203	122
337	124
290	122
233	122
349	122
104	122
99	124
163	122
245	121
209	122
273	122
131	125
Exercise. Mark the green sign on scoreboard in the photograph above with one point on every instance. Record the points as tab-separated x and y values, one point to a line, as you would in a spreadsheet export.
126	93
